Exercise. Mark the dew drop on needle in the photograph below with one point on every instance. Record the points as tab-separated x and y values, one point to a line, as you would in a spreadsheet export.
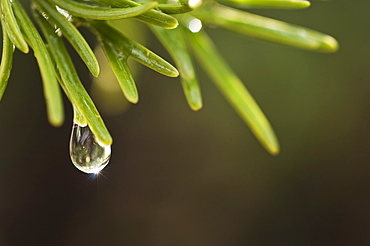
87	154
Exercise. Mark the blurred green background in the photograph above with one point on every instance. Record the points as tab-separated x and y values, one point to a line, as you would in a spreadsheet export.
177	177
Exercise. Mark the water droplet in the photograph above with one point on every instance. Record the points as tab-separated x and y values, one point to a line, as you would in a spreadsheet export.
87	154
195	25
194	3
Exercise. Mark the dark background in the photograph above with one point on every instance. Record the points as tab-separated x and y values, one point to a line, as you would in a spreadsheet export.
182	178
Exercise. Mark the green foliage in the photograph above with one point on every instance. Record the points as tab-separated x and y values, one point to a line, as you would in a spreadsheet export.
179	25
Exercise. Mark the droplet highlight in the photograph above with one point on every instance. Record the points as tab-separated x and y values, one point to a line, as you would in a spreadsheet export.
195	25
194	3
87	154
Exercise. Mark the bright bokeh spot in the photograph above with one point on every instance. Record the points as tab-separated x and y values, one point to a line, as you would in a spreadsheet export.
195	25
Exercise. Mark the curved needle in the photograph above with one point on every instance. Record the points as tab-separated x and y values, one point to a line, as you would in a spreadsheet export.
72	34
12	26
103	13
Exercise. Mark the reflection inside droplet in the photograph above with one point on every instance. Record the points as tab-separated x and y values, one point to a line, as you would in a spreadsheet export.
195	25
87	154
